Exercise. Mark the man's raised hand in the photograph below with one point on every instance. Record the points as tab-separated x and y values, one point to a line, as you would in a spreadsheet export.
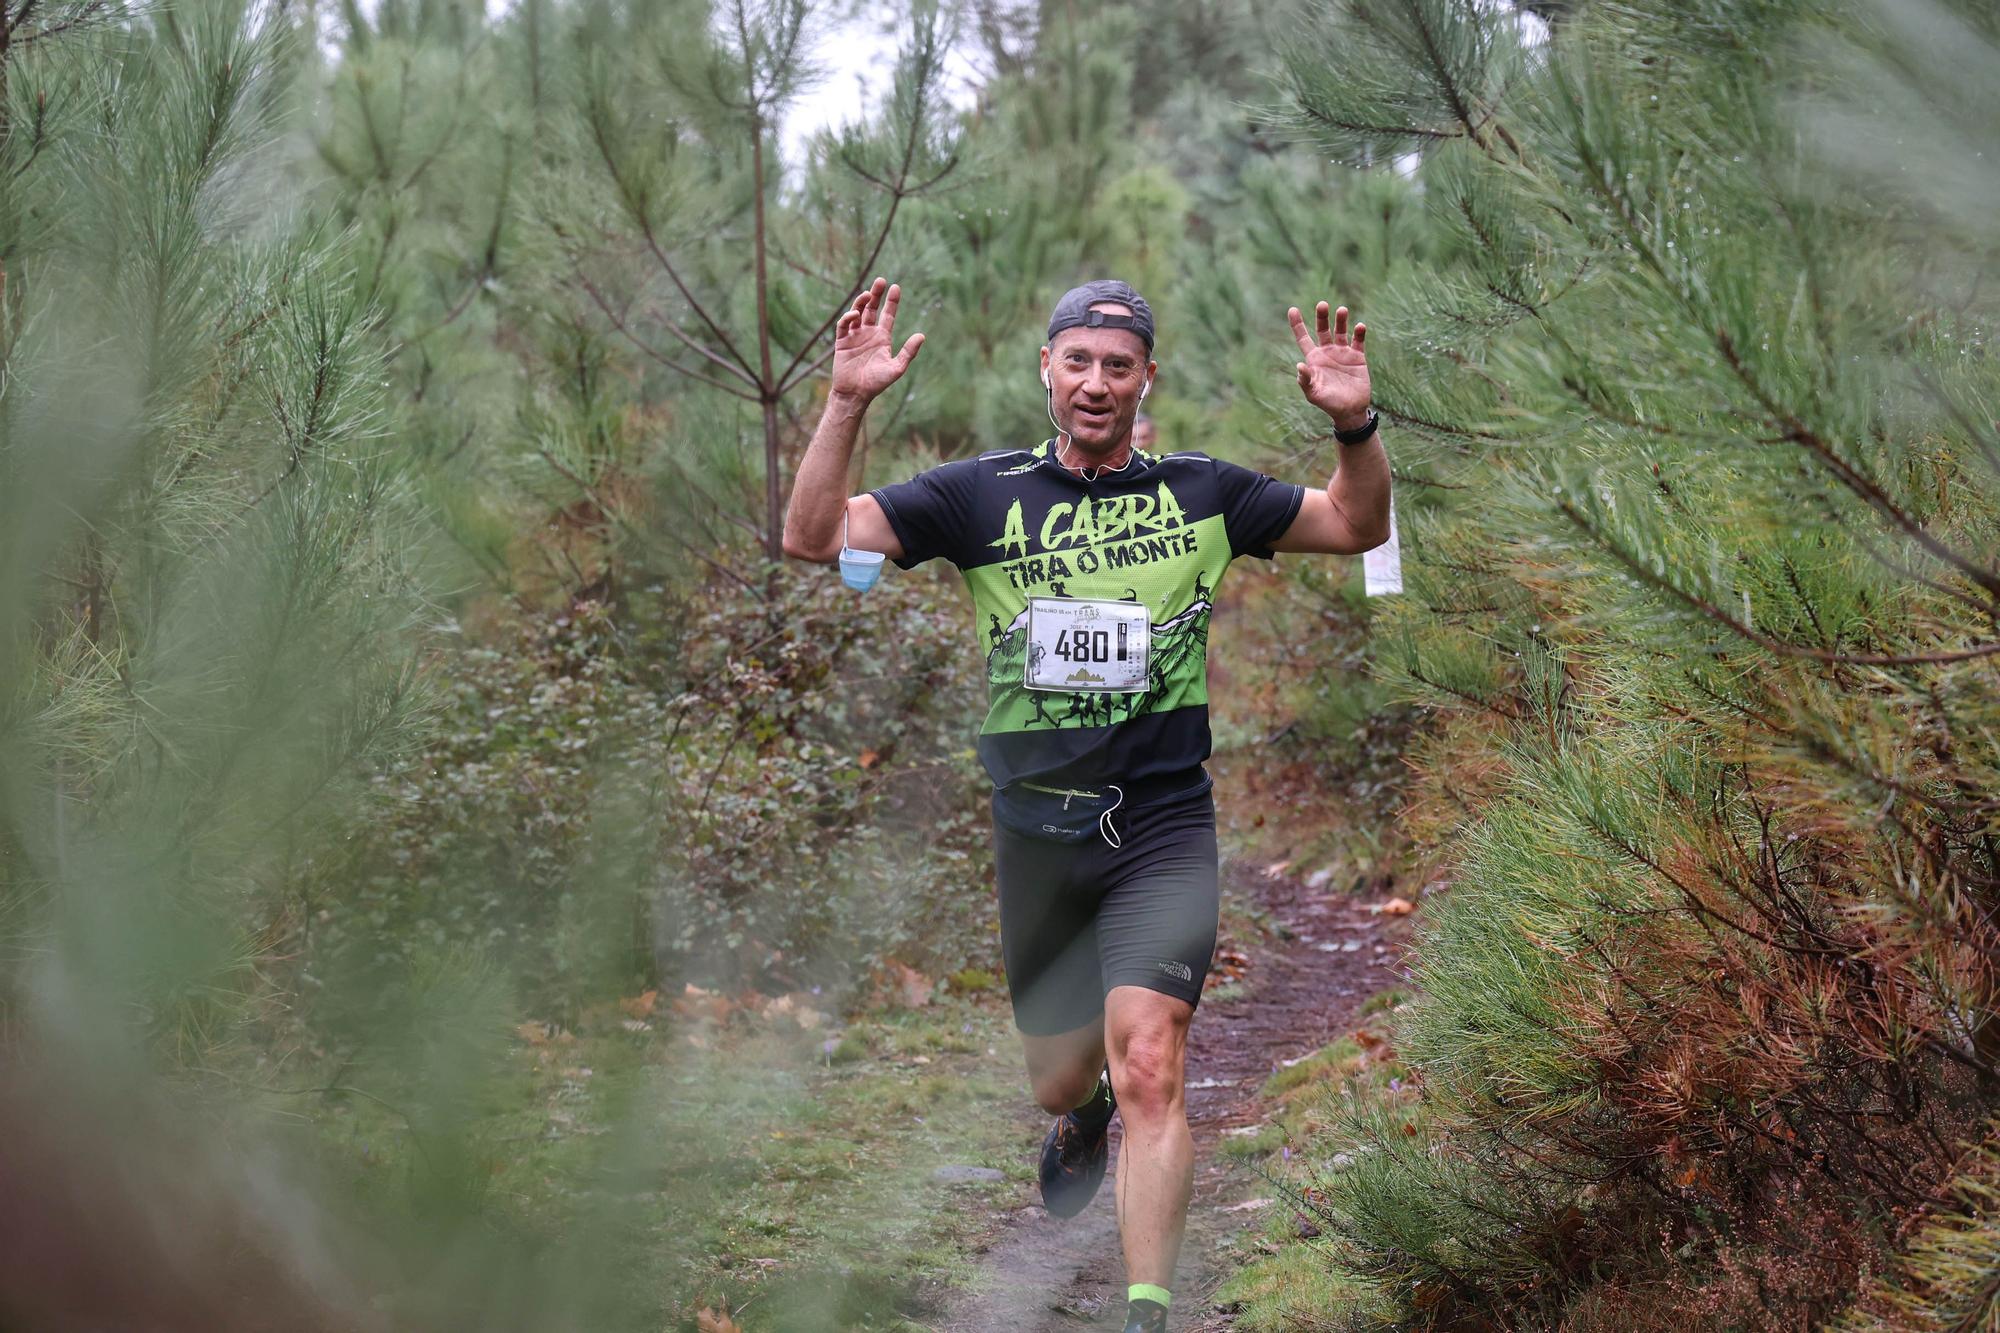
1334	375
864	360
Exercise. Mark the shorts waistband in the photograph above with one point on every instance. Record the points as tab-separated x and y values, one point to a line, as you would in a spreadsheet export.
1137	791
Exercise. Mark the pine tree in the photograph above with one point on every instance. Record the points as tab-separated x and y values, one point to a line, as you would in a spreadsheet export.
208	572
1703	598
676	230
427	126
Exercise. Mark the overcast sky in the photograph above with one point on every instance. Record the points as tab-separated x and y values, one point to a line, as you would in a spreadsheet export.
857	55
857	59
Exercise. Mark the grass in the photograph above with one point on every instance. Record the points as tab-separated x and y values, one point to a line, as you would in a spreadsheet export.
1288	1278
1294	1288
780	1172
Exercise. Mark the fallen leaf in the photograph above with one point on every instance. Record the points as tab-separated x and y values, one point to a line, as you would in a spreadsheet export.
535	1034
913	988
641	1005
696	1003
1248	1205
869	758
716	1321
1365	1039
795	1007
1395	907
1276	869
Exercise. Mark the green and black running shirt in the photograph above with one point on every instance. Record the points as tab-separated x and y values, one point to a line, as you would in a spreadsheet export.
1160	531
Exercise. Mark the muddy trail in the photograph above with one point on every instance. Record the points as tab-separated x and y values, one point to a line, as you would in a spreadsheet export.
1302	986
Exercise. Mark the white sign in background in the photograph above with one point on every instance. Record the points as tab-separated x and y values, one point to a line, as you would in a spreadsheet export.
1382	568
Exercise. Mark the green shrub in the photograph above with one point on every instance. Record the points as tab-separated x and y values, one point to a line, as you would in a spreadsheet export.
778	796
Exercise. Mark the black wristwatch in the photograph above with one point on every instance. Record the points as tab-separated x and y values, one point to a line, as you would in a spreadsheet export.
1361	432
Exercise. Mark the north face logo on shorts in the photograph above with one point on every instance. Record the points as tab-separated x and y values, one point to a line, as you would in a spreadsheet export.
1180	970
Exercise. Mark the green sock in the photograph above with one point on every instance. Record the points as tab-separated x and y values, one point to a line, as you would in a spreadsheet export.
1098	1108
1146	1291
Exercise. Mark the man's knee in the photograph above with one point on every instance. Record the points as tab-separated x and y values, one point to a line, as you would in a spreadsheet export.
1147	1074
1063	1067
1057	1091
1148	1059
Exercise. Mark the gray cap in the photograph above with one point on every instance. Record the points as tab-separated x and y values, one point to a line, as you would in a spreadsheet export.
1073	310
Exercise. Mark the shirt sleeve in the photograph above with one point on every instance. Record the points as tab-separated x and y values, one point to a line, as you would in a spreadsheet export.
931	512
1256	509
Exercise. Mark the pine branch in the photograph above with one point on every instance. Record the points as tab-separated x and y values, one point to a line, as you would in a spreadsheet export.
1356	127
1440	427
618	519
15	37
897	193
636	210
1797	432
1640	571
1987	445
1509	711
1794	430
618	322
1441	74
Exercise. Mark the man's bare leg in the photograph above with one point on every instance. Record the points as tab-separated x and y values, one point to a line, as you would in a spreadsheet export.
1063	1069
1146	1035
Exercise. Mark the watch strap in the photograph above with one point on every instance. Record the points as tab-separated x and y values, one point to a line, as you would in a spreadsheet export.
1361	432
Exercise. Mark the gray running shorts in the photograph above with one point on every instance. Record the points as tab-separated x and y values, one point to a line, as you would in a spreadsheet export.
1077	919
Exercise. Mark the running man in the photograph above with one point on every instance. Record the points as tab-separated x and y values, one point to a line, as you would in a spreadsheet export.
1104	831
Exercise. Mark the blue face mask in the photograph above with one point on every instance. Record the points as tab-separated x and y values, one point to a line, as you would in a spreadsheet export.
858	569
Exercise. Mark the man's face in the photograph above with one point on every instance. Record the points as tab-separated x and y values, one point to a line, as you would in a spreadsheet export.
1094	377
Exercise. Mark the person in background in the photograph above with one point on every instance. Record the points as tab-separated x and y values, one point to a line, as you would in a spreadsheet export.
1145	433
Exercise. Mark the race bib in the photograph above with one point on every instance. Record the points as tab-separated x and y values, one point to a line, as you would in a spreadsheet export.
1077	645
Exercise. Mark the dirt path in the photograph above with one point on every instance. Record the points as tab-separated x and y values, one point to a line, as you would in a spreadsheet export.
1040	1273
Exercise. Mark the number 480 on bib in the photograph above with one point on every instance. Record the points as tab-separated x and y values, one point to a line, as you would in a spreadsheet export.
1077	644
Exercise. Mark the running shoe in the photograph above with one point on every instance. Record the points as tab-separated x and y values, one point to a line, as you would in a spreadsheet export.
1143	1316
1073	1158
